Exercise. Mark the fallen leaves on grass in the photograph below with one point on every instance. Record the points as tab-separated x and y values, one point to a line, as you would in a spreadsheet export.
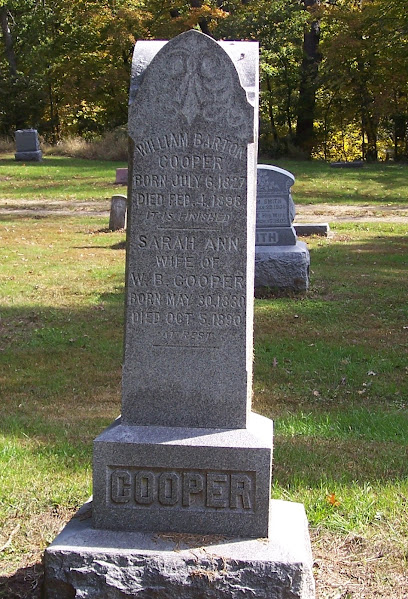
332	499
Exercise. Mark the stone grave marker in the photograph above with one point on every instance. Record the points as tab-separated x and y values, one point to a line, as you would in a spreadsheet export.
117	217
187	456
27	146
275	210
121	176
281	261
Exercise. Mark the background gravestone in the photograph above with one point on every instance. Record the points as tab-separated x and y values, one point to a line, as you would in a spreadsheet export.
117	217
187	456
275	210
27	145
121	176
281	261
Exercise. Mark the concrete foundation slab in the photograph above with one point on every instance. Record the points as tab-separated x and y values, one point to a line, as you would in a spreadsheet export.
87	563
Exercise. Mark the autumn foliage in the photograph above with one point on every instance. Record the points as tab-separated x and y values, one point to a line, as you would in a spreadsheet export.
334	79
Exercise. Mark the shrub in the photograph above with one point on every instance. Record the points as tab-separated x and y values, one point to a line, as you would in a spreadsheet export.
113	145
7	145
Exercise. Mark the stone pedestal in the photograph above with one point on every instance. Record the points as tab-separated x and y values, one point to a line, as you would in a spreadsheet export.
98	564
208	481
283	268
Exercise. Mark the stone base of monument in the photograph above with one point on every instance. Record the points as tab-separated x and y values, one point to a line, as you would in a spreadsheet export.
284	268
99	564
178	479
35	156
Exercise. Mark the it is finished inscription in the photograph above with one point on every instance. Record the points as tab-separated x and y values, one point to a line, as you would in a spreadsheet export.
197	489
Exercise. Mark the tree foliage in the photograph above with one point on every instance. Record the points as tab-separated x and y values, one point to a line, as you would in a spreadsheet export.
333	72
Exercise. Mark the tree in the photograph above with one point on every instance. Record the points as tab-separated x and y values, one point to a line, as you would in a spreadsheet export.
308	80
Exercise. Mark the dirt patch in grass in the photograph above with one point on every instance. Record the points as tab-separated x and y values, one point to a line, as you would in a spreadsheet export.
22	578
354	567
304	212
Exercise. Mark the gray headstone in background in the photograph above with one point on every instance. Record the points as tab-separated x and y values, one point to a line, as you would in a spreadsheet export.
27	145
121	176
322	229
275	210
117	218
282	262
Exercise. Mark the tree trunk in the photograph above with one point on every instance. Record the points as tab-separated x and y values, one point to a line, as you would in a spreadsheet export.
270	110
308	84
8	41
202	21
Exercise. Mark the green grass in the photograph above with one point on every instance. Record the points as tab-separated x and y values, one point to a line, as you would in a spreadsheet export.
331	369
58	178
319	183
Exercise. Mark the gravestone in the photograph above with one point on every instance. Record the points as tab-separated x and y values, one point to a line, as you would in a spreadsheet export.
275	210
117	217
182	480
27	146
121	176
281	261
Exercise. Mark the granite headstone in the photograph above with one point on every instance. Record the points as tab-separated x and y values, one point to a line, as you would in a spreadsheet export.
275	209
189	308
187	460
121	176
281	261
117	217
27	146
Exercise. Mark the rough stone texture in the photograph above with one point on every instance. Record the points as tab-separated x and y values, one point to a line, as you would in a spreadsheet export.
193	480
27	145
283	268
275	209
322	229
190	259
117	218
121	176
95	564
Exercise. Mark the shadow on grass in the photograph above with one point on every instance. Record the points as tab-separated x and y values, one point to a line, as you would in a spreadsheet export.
25	583
61	371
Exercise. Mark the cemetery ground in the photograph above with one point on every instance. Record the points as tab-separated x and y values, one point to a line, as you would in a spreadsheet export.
331	367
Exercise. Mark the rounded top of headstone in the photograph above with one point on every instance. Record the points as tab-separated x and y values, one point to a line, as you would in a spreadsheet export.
277	169
191	80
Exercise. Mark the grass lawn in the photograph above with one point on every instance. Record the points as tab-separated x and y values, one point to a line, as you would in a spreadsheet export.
331	369
56	179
